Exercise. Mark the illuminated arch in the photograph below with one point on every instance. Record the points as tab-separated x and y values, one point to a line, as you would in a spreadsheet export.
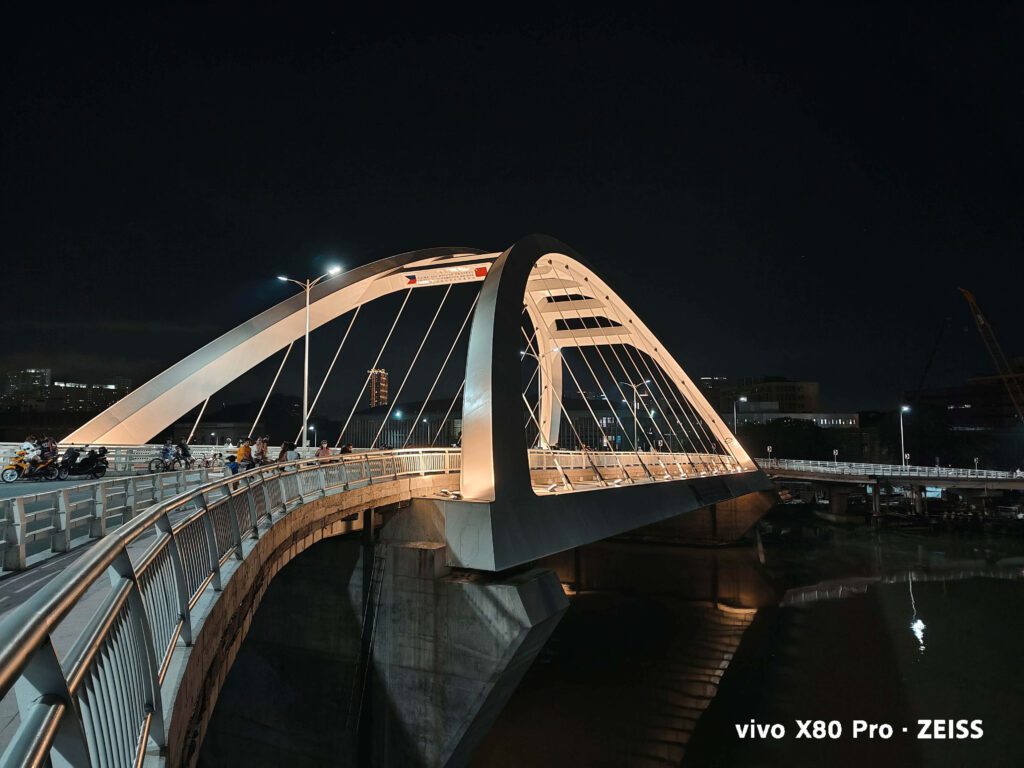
494	459
148	410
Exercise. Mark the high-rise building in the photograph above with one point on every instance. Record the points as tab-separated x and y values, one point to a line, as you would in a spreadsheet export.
28	382
378	387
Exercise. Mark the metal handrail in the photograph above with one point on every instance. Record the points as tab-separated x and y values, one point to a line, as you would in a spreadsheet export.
57	515
673	465
886	470
136	629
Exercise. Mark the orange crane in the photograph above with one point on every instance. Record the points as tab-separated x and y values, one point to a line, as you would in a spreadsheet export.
1011	380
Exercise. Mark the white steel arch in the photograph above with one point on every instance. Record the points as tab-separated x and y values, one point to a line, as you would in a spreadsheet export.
526	275
158	403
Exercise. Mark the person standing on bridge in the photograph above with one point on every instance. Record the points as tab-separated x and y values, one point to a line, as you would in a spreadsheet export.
324	451
244	455
259	451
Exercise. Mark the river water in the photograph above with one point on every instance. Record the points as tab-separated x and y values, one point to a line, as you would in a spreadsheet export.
666	649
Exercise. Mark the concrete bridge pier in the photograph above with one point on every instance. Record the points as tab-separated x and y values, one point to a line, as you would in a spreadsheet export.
451	645
440	651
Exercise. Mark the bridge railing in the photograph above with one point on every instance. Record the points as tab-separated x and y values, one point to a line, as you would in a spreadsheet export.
101	703
677	465
136	458
38	525
884	470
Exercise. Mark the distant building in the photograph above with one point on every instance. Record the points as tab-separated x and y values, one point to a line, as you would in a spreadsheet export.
378	387
439	424
767	416
28	382
34	389
981	404
791	396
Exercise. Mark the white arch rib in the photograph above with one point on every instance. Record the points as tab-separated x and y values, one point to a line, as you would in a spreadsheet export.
158	403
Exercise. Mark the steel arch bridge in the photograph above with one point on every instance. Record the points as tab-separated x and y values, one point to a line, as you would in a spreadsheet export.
539	275
132	688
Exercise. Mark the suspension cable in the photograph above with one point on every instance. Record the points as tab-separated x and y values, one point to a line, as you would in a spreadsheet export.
195	426
450	409
696	431
408	370
331	366
626	349
586	402
272	384
572	426
572	335
687	409
437	378
566	482
692	433
373	367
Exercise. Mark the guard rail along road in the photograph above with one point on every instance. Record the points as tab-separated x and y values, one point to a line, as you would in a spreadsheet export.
884	470
38	525
102	702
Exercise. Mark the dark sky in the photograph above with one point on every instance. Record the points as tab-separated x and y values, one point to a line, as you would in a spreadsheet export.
777	189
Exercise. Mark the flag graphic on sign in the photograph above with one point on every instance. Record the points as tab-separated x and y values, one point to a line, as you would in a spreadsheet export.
411	279
481	271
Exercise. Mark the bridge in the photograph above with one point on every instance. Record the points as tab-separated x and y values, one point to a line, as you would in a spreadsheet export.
120	657
842	479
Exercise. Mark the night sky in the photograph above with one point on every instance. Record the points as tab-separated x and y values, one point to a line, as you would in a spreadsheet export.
777	189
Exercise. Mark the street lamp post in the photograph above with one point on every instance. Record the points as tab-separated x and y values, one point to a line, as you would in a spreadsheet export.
635	388
903	447
975	463
307	286
835	455
769	455
740	399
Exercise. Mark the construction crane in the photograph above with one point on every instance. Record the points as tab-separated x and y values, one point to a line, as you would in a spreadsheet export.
1010	379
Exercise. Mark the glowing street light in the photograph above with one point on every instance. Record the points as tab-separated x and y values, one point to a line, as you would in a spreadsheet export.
903	447
635	388
740	399
307	286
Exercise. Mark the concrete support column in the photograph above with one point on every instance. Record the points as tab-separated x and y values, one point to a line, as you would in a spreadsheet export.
919	505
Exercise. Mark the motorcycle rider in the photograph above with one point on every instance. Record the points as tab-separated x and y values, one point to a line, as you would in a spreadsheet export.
31	449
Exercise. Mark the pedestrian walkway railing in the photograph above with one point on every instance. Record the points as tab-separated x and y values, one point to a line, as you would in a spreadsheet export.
885	470
39	525
101	703
128	459
660	464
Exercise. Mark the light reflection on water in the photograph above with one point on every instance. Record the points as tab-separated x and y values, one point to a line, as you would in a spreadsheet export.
665	648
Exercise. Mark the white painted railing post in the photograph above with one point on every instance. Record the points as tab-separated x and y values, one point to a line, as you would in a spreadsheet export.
129	499
15	556
98	524
60	539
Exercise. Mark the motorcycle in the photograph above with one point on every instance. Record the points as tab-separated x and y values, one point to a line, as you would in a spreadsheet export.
21	468
93	464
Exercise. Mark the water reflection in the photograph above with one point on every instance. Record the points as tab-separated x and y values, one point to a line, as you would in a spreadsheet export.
665	649
636	660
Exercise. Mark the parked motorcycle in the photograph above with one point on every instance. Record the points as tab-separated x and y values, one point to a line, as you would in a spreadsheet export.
73	464
21	468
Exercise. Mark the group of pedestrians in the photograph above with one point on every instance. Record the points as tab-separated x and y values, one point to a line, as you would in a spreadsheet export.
253	453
